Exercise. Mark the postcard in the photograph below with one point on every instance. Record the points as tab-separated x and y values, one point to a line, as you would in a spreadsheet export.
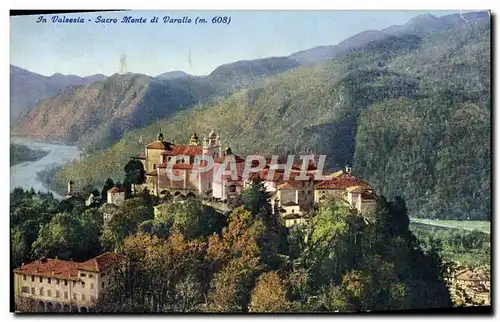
250	161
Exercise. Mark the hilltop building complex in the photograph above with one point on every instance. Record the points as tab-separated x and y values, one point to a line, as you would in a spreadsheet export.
290	196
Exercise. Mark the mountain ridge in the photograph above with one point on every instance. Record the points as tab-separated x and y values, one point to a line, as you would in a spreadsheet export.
27	88
415	25
81	115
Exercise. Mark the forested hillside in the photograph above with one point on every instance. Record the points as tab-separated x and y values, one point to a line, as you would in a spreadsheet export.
21	153
97	115
412	113
187	257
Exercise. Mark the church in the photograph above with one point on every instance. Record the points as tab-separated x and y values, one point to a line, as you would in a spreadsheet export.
187	163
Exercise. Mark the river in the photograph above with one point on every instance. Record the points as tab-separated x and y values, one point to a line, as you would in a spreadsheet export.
24	174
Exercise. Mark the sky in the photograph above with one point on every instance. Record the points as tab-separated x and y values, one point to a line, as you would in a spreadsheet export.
154	48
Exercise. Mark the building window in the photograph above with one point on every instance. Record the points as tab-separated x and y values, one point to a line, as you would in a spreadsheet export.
24	277
83	284
49	293
83	297
66	295
75	297
41	291
91	286
92	298
48	280
32	278
65	283
154	166
25	289
57	281
91	276
102	284
82	275
41	279
74	283
33	290
58	294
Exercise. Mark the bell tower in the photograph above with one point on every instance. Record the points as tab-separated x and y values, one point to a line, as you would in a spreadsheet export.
160	136
194	140
70	188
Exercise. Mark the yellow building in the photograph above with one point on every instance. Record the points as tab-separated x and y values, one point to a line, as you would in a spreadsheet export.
63	286
293	219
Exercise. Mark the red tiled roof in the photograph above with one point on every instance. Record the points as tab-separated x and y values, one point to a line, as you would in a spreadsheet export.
116	189
291	185
50	268
67	269
182	166
341	182
190	150
99	263
158	145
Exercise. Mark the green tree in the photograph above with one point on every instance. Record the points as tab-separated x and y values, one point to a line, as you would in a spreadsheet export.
134	172
125	222
191	218
255	199
67	236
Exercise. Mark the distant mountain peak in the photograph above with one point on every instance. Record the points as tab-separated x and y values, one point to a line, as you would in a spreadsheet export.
425	18
173	74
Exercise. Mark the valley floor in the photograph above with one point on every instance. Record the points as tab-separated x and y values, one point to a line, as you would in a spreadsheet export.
483	226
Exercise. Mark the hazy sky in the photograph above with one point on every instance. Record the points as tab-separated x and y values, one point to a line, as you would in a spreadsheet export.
91	48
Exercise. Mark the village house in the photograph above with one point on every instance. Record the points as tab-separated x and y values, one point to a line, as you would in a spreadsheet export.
64	286
469	286
343	185
116	195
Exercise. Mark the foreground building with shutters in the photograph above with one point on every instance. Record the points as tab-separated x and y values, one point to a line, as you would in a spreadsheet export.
56	285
